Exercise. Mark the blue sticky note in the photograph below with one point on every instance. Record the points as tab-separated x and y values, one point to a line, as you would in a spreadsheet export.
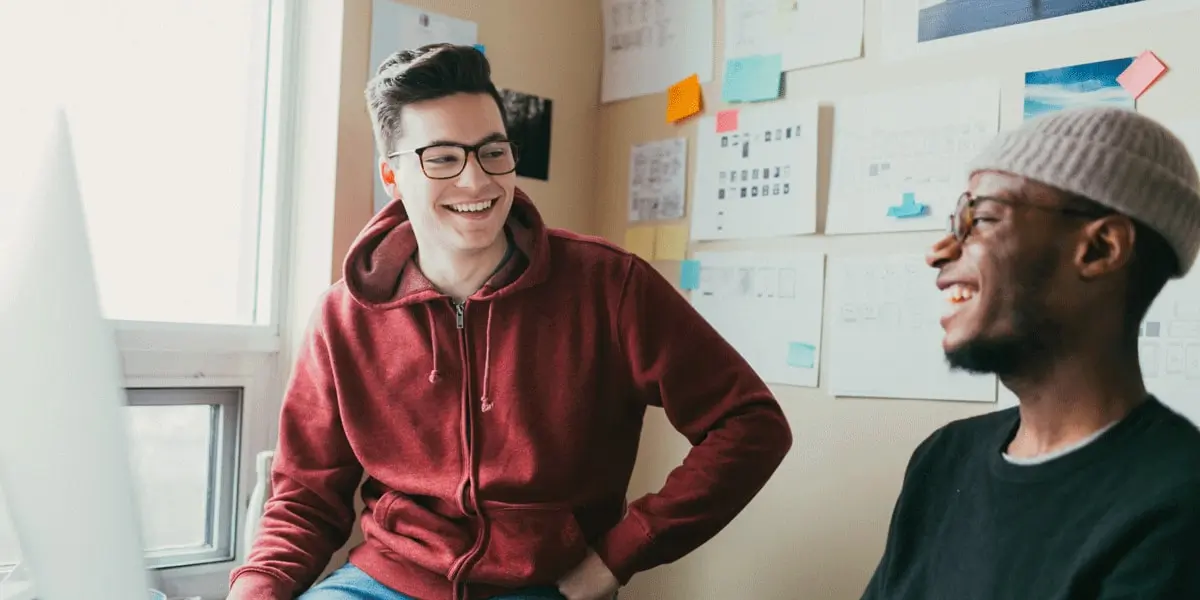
801	355
908	208
480	48
753	78
689	274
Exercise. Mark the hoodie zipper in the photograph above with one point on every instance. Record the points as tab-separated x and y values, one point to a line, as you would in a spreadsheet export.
464	563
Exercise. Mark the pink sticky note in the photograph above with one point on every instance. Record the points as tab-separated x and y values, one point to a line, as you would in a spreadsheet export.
727	120
1141	74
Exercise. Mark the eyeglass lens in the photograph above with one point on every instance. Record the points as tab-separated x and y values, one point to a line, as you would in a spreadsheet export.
444	162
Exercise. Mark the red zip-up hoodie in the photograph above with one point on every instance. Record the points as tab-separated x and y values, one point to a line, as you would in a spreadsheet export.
498	437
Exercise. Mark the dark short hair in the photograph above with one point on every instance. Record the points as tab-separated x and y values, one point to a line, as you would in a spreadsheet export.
426	73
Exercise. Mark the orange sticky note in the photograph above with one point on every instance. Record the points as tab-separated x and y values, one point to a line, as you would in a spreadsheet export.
671	243
640	241
1141	74
683	99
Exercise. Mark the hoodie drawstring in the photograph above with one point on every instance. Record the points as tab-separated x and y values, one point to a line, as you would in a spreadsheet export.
434	376
485	401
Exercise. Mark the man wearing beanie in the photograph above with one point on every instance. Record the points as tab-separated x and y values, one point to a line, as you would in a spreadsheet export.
1090	489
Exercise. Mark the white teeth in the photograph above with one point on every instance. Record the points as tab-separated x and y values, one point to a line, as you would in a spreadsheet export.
959	293
475	207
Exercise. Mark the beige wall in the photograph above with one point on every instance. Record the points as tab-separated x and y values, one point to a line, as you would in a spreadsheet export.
817	530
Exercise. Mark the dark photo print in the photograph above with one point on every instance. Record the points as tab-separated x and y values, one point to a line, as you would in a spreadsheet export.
949	18
529	119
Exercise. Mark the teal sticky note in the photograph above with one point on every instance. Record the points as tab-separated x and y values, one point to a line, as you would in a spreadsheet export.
908	208
801	355
752	78
480	48
689	274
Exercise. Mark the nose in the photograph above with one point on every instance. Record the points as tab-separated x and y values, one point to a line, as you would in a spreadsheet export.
473	176
947	249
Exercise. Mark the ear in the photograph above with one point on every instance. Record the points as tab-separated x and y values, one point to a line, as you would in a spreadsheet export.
388	177
1106	246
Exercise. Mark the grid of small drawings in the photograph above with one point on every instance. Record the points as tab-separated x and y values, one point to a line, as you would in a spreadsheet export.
770	177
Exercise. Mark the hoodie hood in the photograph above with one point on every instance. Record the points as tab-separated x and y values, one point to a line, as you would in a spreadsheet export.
380	268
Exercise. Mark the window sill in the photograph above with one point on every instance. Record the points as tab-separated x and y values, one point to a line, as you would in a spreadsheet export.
140	336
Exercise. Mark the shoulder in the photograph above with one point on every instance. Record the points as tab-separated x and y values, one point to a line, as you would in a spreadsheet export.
596	260
1169	451
969	438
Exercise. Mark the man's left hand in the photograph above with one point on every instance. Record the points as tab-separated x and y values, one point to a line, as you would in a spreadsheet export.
591	580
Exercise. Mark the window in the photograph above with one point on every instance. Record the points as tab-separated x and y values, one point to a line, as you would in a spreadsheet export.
177	116
184	445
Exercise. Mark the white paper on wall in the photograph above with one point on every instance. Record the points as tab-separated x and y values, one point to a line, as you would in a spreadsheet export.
658	180
768	305
396	26
899	158
756	173
651	44
885	338
804	33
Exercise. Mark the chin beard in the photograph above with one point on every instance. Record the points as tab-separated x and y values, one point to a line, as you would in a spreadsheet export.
1006	356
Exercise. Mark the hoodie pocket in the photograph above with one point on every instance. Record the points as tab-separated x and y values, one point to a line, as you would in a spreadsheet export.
411	532
528	544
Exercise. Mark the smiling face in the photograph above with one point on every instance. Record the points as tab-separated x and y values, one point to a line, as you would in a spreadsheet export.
1029	276
459	214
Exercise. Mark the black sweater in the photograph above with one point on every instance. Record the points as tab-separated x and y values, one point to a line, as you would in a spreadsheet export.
1117	518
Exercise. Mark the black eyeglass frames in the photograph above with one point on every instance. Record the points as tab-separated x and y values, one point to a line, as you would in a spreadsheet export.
447	160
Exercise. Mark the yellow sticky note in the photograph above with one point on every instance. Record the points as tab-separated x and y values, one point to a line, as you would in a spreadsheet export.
671	243
683	99
640	241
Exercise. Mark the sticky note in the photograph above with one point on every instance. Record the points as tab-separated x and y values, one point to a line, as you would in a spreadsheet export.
689	275
671	242
683	99
1141	74
752	78
727	120
480	48
640	241
801	355
908	208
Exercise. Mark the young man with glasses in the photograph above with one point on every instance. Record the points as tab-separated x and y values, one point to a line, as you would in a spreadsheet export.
1090	489
489	375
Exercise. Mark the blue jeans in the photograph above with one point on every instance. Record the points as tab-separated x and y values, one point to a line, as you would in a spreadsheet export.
350	583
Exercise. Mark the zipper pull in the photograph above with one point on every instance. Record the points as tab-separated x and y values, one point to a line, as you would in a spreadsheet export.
459	313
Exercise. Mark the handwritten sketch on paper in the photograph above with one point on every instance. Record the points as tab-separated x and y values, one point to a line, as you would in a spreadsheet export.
396	26
658	180
651	44
805	33
756	173
885	339
768	305
896	150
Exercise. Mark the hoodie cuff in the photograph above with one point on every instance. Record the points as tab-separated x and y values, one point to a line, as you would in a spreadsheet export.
624	548
253	585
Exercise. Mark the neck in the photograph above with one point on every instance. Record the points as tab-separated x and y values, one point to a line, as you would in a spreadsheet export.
1067	400
461	274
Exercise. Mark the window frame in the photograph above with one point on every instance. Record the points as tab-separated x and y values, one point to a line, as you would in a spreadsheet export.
223	519
298	181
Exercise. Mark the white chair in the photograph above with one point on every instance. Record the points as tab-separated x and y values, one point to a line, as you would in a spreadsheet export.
258	499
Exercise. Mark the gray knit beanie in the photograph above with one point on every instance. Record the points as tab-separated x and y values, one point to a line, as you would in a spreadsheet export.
1115	157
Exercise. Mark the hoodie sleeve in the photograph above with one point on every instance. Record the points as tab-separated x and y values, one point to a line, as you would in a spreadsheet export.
738	432
310	513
